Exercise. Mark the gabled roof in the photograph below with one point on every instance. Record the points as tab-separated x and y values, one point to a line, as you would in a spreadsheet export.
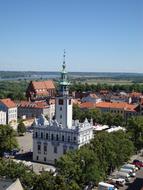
8	103
49	84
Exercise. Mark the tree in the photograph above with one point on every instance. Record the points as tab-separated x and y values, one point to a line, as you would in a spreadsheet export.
135	131
8	140
21	128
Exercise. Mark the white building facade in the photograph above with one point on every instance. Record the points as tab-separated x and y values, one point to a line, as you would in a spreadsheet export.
2	118
8	106
52	139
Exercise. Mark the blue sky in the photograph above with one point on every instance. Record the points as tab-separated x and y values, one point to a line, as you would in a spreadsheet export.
98	35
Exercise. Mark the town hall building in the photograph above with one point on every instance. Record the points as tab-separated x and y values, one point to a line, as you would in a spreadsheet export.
53	138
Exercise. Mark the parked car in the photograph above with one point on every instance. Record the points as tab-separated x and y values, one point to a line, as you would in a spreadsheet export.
106	186
10	154
129	171
138	163
130	166
123	175
119	181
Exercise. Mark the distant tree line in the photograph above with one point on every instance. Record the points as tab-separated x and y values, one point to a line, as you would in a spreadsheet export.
16	89
13	89
84	87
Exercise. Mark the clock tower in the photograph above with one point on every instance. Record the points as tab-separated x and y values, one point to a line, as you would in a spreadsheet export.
63	100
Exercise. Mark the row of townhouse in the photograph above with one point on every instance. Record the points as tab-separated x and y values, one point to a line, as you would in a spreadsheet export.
108	96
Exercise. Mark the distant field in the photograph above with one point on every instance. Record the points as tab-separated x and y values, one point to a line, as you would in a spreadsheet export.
107	81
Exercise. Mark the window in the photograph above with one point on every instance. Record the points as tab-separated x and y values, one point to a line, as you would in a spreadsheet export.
61	102
44	159
70	102
74	138
46	135
37	157
45	147
60	116
68	138
55	149
39	147
64	150
57	137
36	135
52	137
63	138
60	108
41	135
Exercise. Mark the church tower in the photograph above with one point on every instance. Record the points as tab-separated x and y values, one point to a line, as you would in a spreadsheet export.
63	100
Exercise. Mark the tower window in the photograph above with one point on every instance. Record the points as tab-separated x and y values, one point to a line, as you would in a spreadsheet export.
57	137
61	102
60	116
69	102
41	135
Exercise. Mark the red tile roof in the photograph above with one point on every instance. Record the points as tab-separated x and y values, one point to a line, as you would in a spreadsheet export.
8	103
117	105
49	84
87	105
35	105
109	105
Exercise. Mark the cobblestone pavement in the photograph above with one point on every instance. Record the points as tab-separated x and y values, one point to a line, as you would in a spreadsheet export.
25	142
25	154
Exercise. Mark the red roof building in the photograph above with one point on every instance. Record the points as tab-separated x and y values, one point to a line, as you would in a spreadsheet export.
8	106
35	109
40	90
122	108
8	103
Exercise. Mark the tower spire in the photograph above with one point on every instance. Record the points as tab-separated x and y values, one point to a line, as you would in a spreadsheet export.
64	62
64	83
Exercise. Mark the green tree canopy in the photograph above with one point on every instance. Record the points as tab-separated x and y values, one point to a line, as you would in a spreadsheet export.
7	139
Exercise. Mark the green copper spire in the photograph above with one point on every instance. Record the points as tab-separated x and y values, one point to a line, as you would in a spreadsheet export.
64	83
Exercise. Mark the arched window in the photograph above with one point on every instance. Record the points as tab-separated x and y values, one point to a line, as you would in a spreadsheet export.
52	137
63	138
